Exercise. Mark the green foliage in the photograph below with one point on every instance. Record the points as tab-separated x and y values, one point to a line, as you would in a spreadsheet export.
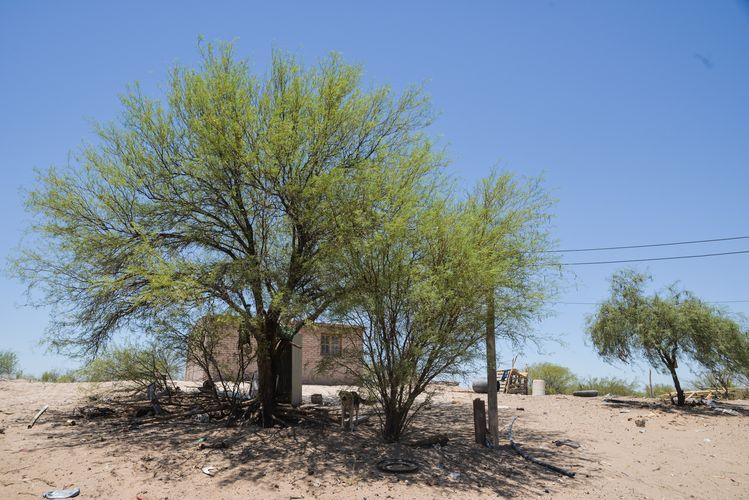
610	385
137	364
58	376
8	363
665	329
558	379
719	380
659	389
233	192
418	281
282	199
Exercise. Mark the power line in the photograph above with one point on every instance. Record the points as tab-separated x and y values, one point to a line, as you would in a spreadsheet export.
652	259
651	245
598	303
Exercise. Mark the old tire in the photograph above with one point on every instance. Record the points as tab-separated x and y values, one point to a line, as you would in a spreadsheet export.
480	386
591	393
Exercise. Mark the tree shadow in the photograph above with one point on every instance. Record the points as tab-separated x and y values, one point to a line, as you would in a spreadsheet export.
311	457
735	409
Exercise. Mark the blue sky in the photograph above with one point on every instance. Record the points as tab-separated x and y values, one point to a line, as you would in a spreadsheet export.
637	113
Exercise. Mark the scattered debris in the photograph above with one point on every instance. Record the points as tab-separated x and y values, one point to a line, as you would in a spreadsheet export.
143	411
640	422
207	387
69	493
439	439
397	465
70	422
710	403
209	470
630	402
532	459
520	408
36	417
93	412
220	445
316	399
727	411
567	442
454	476
588	393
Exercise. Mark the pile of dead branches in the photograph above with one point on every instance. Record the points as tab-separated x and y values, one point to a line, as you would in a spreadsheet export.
203	406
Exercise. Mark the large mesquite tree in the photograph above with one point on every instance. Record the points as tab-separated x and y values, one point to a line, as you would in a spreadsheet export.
665	329
225	195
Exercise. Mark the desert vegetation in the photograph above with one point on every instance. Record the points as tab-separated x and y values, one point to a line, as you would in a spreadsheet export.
561	380
273	202
666	328
8	363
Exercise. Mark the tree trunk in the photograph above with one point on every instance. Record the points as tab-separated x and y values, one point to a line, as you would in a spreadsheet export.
680	399
266	386
393	425
267	367
491	370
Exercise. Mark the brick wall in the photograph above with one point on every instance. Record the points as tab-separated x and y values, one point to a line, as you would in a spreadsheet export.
227	357
351	343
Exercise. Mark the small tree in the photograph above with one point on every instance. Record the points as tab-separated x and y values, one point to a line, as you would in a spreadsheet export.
8	363
419	282
140	365
720	380
664	329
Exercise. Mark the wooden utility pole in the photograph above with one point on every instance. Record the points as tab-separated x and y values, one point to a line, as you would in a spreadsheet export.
491	370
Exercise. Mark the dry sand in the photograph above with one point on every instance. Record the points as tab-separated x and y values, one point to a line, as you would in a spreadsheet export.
677	454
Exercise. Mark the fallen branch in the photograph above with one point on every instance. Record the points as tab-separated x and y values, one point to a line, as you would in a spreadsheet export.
36	417
428	442
629	402
533	459
223	406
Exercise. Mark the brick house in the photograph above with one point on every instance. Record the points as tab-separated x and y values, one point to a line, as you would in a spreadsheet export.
317	341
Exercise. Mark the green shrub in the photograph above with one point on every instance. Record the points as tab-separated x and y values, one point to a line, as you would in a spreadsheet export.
133	363
742	393
61	377
559	379
610	385
719	380
8	363
659	389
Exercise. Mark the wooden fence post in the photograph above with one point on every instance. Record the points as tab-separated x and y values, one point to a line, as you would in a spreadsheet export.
479	421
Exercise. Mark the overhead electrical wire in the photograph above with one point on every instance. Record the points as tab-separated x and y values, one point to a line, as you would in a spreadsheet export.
650	259
676	257
598	303
650	245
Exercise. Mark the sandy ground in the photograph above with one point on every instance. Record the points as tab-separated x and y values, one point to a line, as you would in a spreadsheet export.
677	454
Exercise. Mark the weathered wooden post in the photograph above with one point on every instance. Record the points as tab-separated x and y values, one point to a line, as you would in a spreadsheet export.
491	370
479	421
650	382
